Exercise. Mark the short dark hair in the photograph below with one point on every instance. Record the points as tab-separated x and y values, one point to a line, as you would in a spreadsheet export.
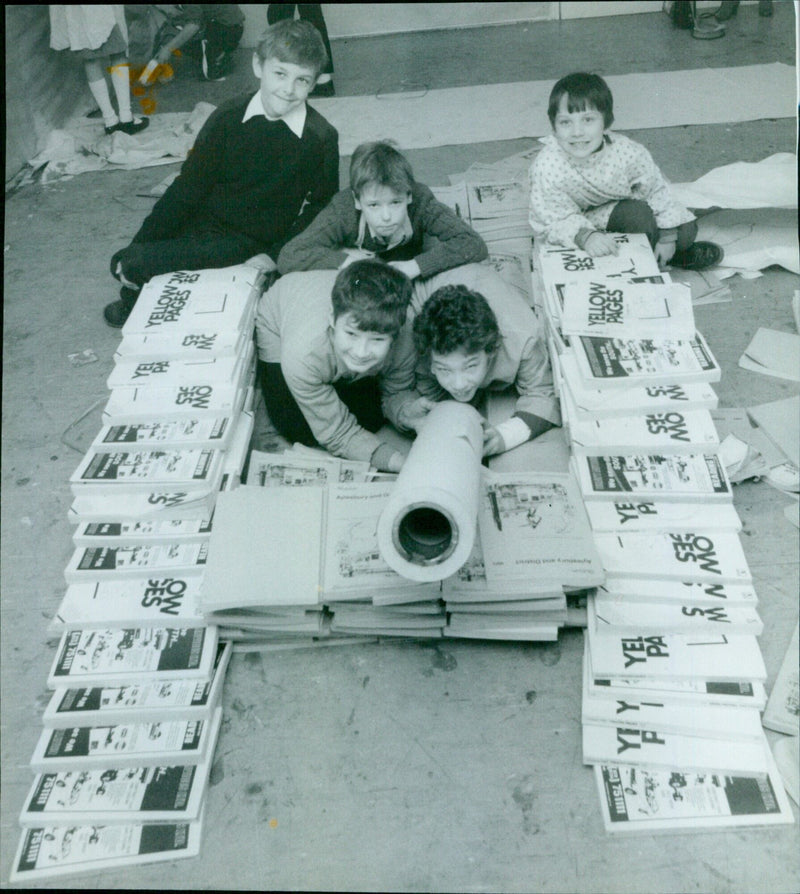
377	295
456	318
582	90
294	41
380	163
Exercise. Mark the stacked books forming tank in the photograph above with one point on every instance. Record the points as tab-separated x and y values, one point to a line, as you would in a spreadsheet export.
673	677
130	730
534	548
296	553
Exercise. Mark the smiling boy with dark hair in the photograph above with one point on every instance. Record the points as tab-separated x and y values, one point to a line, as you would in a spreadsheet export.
467	347
336	356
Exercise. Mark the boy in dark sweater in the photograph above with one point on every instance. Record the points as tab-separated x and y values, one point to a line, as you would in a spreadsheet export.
260	170
386	214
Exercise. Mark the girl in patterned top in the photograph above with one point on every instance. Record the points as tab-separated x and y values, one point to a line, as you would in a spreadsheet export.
588	182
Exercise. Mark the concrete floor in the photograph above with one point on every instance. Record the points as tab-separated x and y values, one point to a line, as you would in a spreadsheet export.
453	766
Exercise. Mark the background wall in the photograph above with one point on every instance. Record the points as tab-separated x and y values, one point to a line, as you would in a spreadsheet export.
361	19
45	88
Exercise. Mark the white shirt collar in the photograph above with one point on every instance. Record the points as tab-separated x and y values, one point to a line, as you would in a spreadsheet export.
295	120
404	236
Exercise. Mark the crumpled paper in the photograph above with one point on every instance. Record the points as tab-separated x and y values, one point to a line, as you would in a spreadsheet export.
84	146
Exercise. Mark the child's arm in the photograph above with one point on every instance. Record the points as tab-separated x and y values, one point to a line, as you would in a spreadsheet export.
334	427
321	246
447	241
403	404
555	215
650	185
536	409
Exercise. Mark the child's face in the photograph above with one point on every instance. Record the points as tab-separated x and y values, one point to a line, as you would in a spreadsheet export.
459	373
385	210
284	85
359	350
578	133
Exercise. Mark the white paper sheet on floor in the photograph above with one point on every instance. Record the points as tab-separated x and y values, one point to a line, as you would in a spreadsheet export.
489	112
770	183
83	146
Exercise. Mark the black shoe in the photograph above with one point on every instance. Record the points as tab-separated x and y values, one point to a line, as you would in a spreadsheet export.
116	314
698	256
323	90
132	127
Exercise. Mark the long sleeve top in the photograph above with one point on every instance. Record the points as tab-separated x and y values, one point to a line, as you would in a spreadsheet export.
521	359
439	240
569	195
256	178
293	329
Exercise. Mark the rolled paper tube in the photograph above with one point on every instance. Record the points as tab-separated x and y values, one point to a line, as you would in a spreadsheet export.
427	529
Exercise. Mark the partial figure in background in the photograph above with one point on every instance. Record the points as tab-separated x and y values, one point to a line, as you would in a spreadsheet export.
707	24
261	168
588	182
98	36
209	32
311	12
729	8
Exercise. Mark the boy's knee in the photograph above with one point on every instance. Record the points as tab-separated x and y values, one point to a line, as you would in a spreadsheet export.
687	234
634	216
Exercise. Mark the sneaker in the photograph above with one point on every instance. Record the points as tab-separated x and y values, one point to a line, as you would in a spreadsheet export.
707	28
116	314
132	127
698	256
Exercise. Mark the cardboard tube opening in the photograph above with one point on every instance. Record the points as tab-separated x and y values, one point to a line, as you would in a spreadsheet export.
425	536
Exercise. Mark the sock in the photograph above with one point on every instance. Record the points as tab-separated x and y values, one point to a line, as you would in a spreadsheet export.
120	78
100	93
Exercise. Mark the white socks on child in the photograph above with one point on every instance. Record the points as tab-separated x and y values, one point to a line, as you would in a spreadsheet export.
120	79
100	93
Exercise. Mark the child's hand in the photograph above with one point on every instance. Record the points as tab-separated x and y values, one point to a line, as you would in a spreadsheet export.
355	254
599	244
410	268
262	262
664	252
492	440
396	461
415	412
